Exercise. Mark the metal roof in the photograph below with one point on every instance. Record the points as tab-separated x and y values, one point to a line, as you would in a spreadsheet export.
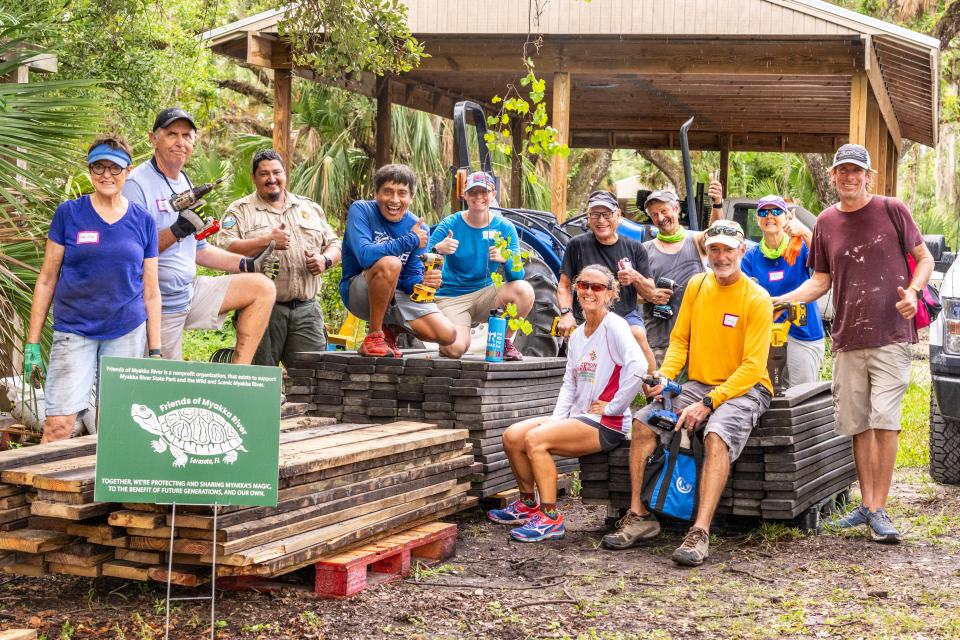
757	74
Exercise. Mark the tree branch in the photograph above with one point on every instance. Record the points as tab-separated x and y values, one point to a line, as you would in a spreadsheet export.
247	89
669	167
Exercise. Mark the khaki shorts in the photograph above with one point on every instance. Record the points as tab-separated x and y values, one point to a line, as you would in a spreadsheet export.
868	387
401	312
733	420
204	313
470	307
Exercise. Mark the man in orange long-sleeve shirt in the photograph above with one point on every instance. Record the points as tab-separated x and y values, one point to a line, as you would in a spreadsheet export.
722	335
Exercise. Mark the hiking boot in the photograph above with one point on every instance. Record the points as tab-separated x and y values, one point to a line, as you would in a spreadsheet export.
855	518
390	338
632	529
510	352
517	512
695	548
539	528
375	346
881	528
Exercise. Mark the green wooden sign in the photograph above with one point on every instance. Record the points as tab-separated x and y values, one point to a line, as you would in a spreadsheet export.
187	432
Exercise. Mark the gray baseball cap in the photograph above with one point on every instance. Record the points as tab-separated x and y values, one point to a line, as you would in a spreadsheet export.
661	196
603	199
852	154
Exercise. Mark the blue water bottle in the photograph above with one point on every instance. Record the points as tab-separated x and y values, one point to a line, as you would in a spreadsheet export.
496	335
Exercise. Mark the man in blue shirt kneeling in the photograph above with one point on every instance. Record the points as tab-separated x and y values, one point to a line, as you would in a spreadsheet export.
469	242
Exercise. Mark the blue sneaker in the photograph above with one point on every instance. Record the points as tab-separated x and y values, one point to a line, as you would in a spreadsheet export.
882	529
855	518
517	512
540	528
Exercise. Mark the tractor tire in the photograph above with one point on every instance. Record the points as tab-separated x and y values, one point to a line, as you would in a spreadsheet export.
540	343
944	446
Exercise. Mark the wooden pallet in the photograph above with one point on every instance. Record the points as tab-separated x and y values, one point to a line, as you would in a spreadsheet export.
350	572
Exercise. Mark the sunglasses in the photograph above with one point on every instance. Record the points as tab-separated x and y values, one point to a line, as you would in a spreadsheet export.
596	287
763	213
98	169
721	230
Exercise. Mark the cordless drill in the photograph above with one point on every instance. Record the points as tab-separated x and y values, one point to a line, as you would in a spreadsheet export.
192	200
665	418
664	311
796	313
421	292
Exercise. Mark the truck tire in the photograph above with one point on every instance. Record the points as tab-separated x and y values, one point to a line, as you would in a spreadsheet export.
540	343
944	446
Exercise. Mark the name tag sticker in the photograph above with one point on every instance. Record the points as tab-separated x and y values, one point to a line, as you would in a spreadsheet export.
163	205
776	276
88	237
730	320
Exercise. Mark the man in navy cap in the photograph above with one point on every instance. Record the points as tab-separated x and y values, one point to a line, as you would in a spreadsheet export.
190	302
858	250
469	240
624	257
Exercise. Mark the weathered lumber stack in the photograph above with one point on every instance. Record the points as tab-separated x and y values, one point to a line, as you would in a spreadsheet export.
792	461
339	485
467	393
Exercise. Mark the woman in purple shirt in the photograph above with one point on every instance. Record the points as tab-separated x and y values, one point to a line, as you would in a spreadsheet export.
100	273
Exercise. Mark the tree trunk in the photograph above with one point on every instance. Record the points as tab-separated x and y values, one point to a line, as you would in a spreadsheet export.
591	167
946	163
818	164
669	167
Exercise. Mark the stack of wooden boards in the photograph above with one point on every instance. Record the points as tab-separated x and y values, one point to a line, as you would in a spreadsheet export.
468	393
339	485
792	461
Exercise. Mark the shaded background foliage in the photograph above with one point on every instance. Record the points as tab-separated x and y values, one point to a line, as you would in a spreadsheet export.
122	61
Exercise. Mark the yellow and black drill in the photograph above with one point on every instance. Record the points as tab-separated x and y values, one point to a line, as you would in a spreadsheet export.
421	292
796	314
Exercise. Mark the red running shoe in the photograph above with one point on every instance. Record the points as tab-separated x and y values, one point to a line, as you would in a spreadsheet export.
374	345
390	338
510	352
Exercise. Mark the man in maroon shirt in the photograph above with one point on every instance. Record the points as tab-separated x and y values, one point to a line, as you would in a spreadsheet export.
856	250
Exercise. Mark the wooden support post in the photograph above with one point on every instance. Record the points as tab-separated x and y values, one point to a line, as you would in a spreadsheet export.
558	164
858	108
893	154
883	158
516	166
282	81
384	131
872	138
724	166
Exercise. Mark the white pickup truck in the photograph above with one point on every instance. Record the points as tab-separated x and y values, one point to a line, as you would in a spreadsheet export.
945	370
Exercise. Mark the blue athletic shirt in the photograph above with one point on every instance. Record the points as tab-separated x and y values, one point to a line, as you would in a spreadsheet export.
99	294
369	236
469	268
178	263
778	278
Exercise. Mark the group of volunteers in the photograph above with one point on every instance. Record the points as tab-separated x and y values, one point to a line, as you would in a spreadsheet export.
714	300
120	270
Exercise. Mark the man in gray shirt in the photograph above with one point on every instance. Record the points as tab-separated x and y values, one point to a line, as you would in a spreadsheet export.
190	302
675	254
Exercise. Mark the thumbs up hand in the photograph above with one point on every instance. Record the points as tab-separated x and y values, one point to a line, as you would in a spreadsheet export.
908	302
281	237
448	245
422	232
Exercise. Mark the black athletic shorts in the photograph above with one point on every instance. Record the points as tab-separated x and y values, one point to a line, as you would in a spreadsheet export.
609	438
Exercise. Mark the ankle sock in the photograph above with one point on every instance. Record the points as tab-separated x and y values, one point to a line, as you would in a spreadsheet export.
549	509
529	499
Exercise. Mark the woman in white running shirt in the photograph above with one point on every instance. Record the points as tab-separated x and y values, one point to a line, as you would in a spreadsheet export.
604	371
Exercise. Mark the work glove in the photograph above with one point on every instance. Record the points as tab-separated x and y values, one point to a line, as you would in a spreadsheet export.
188	222
32	360
264	262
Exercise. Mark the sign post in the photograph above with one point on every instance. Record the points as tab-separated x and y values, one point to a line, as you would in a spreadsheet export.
188	433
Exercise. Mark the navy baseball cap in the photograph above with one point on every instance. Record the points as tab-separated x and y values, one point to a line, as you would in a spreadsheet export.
168	116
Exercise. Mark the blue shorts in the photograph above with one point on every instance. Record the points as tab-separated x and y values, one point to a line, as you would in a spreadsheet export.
75	365
635	319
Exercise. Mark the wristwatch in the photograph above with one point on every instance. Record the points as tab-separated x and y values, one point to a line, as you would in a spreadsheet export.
328	261
565	310
707	402
718	206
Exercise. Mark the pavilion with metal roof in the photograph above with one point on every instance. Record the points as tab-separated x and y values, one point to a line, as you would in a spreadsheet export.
757	75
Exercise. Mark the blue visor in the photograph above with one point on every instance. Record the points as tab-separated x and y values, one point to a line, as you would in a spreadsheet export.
105	152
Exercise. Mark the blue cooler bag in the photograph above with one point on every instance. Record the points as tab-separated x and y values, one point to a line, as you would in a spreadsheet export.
671	479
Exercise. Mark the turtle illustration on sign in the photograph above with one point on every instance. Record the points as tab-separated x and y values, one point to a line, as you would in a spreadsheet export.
189	430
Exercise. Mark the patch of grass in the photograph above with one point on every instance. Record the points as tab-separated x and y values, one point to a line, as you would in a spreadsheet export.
200	344
914	450
773	532
423	572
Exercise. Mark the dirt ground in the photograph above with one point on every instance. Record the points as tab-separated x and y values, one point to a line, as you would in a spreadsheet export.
773	582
